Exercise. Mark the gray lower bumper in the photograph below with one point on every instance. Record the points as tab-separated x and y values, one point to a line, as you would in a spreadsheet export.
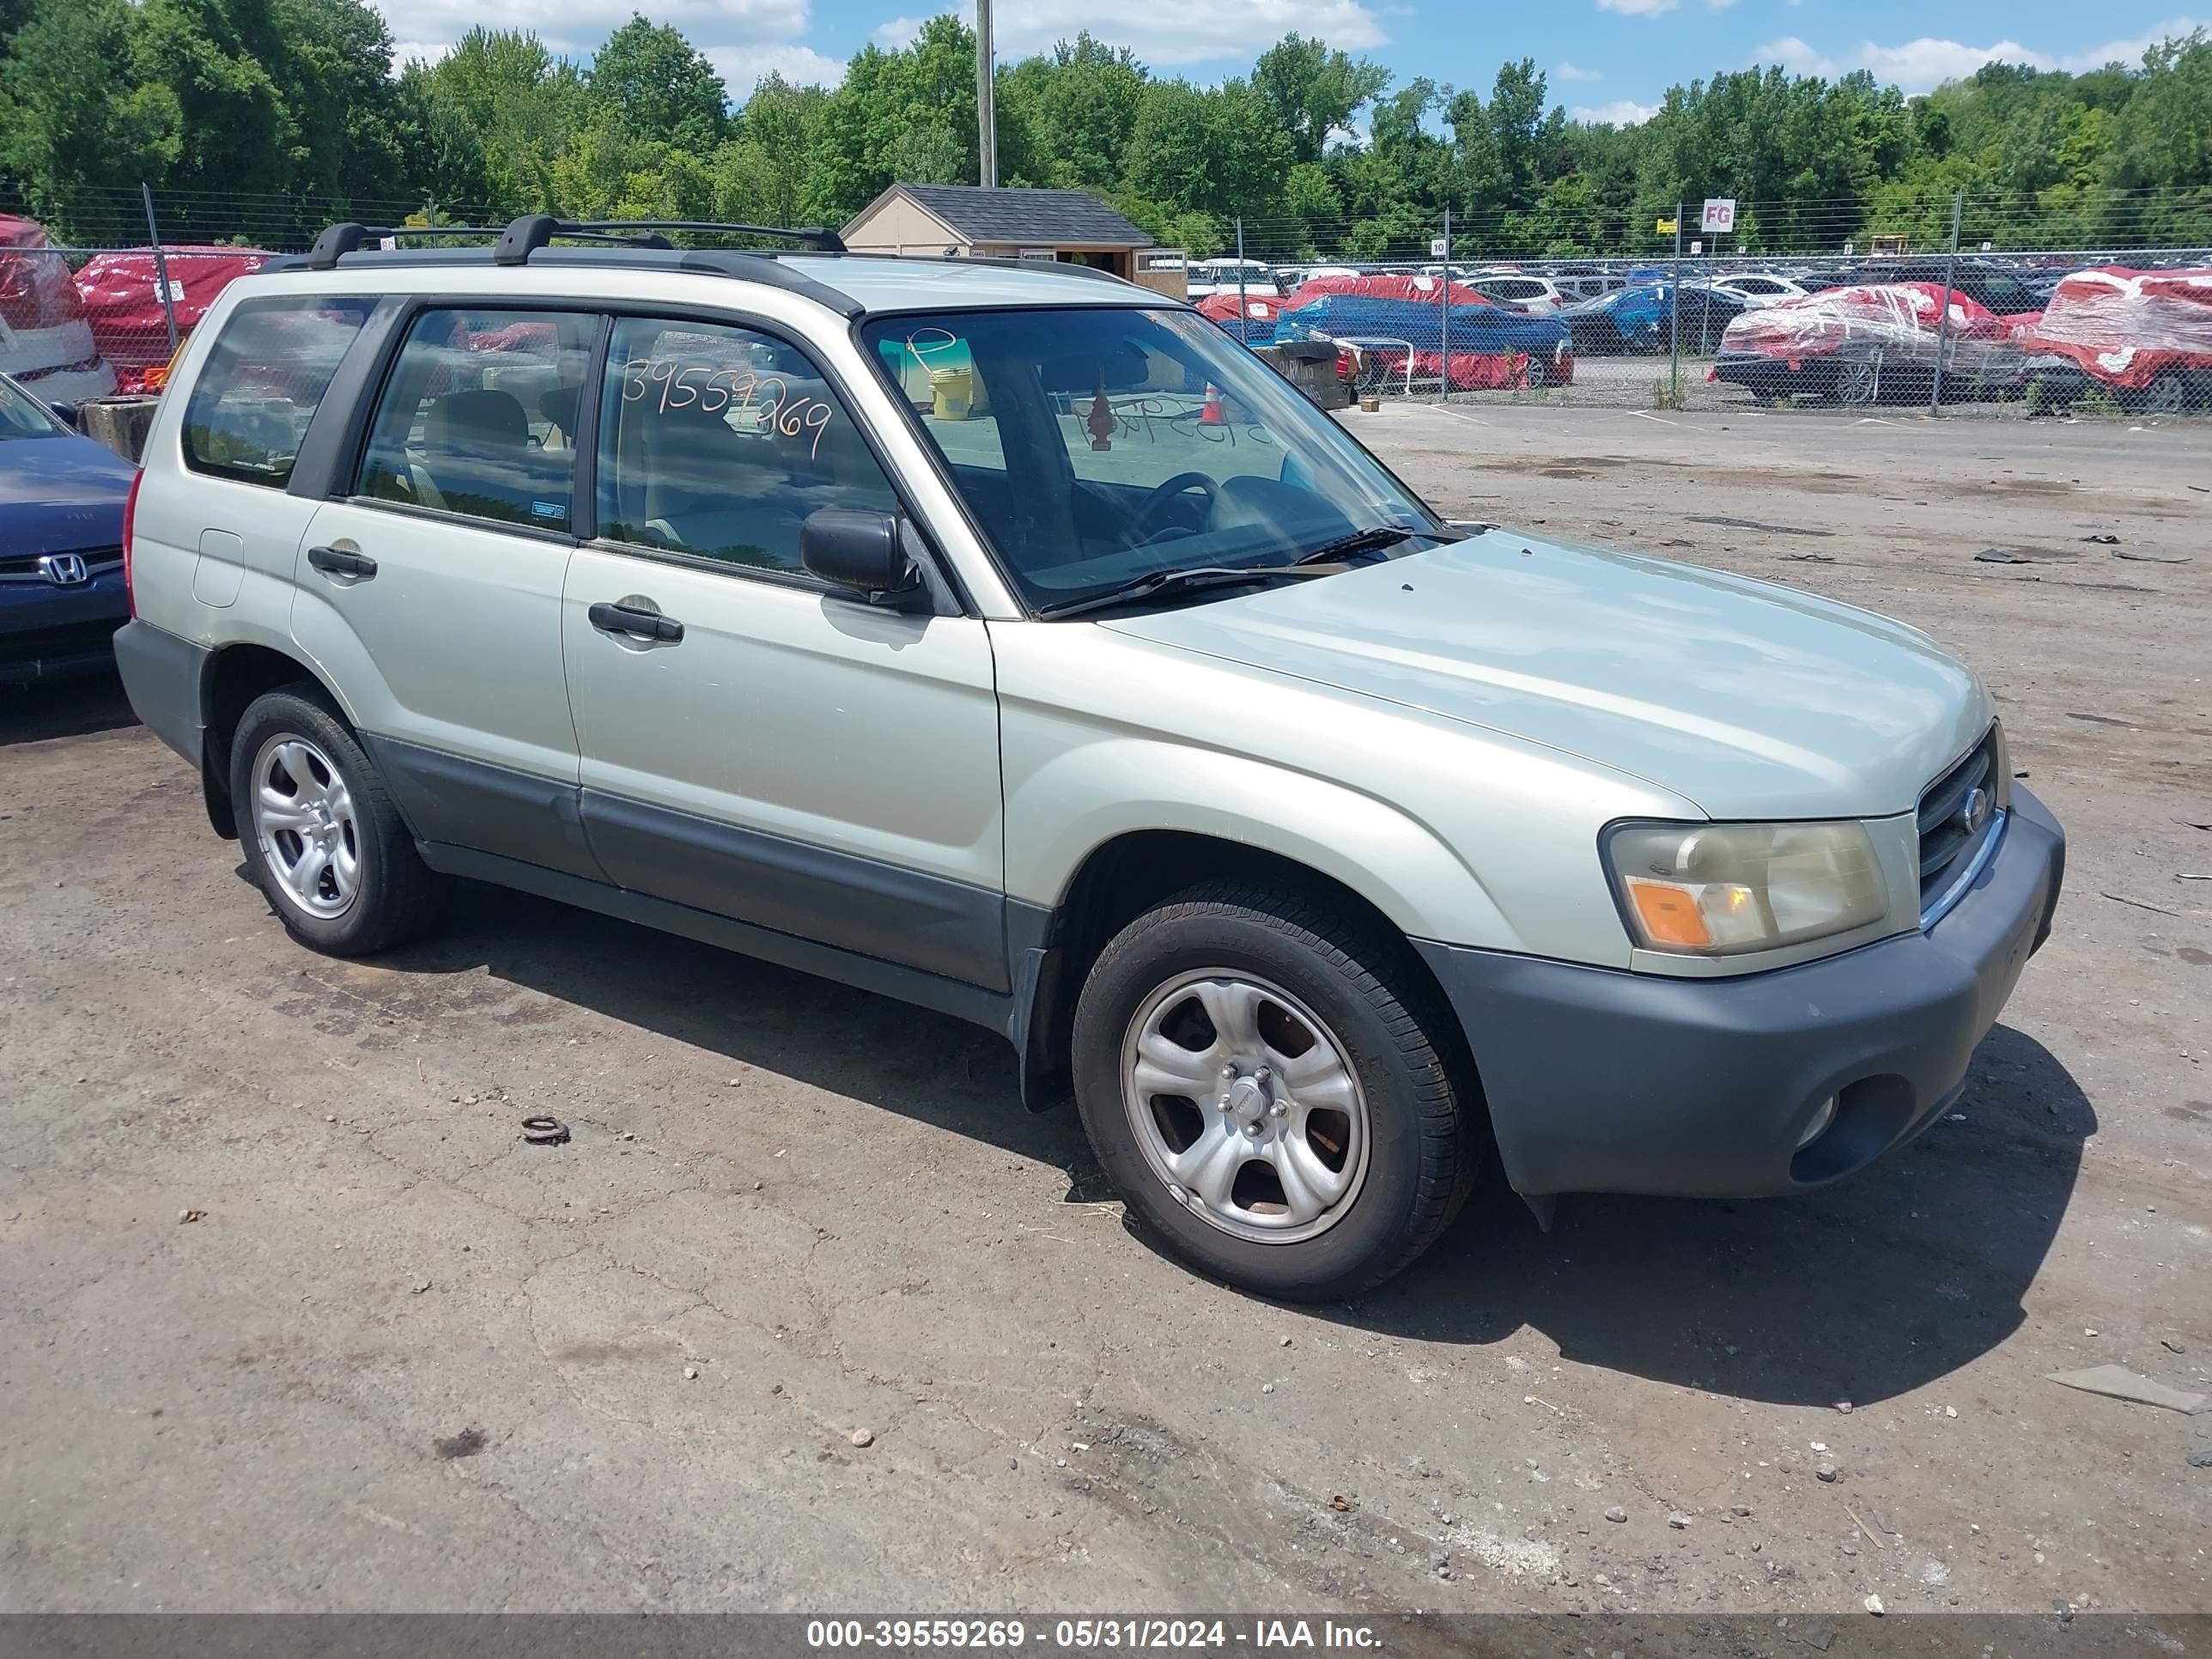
162	675
1605	1081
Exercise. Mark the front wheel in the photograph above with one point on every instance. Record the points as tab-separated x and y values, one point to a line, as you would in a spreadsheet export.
321	835
1264	1077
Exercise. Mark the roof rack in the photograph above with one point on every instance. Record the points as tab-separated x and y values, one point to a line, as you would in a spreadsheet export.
336	240
522	237
533	231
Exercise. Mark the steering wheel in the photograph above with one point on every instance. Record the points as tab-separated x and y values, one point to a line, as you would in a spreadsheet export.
1141	530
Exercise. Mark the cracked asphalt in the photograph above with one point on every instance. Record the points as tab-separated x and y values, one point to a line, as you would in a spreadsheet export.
402	1360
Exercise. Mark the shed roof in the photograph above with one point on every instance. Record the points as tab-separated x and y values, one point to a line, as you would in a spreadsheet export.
1040	218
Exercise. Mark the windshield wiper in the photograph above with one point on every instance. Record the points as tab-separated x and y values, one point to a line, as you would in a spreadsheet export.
1159	582
1367	541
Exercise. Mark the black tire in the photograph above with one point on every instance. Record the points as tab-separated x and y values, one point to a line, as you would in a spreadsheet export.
1395	1028
397	895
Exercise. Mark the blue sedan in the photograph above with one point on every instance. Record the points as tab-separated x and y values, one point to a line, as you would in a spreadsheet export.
62	495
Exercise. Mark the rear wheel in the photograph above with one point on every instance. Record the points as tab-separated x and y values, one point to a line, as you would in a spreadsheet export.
1858	384
322	838
1263	1076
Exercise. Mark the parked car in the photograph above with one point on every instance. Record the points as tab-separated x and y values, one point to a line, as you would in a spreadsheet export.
1208	276
1532	296
1992	287
2143	337
46	337
1585	281
1873	343
62	503
1641	319
122	301
1760	287
1043	659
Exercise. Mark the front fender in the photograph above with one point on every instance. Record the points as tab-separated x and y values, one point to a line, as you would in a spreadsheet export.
1076	801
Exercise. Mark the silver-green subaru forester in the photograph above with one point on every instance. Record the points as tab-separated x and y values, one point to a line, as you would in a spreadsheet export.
1010	640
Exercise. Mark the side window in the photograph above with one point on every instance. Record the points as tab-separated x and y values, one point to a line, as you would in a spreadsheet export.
252	404
719	441
478	415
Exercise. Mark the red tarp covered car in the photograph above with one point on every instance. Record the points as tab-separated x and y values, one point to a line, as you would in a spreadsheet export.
1873	343
2144	335
122	294
45	338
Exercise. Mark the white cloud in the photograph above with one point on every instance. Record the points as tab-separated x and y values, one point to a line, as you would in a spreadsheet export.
1924	64
744	68
1638	8
1166	33
1621	113
899	33
1575	72
575	27
1720	5
404	52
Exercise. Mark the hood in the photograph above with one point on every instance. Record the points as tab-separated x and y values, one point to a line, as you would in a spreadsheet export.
60	494
1751	700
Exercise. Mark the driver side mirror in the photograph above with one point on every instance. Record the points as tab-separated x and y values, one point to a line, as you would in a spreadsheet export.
67	414
859	552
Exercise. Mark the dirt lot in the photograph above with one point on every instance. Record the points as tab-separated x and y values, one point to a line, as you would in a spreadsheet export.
406	1362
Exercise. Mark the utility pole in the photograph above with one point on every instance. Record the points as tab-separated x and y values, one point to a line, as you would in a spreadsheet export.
1943	323
1675	320
987	100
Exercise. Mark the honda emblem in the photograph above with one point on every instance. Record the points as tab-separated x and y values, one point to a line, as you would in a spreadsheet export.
64	569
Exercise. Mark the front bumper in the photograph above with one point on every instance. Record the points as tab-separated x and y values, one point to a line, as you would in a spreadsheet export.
1599	1080
47	632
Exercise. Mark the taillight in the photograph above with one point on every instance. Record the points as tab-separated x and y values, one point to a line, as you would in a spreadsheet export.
129	513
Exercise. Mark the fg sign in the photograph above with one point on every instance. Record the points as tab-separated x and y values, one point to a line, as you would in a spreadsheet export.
1720	214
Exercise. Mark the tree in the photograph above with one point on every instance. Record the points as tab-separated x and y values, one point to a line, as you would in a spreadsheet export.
76	133
1313	92
522	102
660	87
1079	104
215	57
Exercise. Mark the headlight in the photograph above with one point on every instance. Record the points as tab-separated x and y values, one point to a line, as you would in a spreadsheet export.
1718	889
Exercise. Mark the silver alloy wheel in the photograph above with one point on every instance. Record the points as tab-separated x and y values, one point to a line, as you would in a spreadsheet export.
1859	383
303	818
2165	395
1246	1105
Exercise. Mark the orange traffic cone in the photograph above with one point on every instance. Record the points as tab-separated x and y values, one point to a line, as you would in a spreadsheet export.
1213	414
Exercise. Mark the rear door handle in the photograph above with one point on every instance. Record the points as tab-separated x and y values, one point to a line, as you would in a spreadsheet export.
337	561
634	624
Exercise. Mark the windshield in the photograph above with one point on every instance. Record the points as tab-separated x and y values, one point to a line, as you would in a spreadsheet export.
1098	444
19	417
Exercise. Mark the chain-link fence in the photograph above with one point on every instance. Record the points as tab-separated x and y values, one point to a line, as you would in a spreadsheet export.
2068	305
2002	305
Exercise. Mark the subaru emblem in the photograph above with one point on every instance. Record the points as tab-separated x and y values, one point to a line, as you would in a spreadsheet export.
64	569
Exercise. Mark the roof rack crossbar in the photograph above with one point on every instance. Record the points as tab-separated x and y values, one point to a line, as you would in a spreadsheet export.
339	239
533	231
815	236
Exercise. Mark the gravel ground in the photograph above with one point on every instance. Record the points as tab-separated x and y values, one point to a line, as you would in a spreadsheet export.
809	1314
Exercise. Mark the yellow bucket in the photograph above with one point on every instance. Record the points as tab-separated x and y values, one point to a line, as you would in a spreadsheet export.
953	389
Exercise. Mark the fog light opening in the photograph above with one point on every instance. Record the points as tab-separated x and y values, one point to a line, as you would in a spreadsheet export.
1821	1119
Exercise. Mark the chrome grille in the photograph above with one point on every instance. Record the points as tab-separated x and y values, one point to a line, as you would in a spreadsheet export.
24	567
1948	834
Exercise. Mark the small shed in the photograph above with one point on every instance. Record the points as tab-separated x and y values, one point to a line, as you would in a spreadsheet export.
968	221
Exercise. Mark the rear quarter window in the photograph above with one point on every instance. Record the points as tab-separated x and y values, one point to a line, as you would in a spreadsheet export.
261	384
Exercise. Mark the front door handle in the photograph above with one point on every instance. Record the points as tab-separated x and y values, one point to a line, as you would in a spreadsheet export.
338	562
633	624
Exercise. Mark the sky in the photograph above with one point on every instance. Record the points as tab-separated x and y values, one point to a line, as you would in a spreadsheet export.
1606	59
